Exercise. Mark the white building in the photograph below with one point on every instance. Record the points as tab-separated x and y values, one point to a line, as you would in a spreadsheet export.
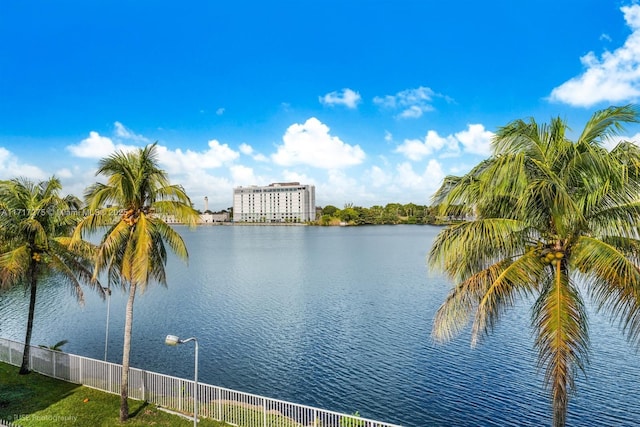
278	202
213	217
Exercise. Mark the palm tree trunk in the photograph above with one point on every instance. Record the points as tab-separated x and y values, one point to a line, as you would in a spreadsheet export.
124	387
24	368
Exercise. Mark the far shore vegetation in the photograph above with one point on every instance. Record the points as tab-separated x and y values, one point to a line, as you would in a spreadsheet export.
350	214
392	213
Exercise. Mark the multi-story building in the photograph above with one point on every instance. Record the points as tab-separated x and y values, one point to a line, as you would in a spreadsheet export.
277	202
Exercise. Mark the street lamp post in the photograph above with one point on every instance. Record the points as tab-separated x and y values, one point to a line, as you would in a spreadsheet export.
173	340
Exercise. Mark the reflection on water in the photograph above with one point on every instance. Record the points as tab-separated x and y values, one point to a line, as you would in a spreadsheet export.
337	318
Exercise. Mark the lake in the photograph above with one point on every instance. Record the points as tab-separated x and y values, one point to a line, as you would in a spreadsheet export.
338	318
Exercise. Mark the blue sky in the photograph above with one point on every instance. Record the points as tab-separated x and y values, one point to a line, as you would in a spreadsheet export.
372	101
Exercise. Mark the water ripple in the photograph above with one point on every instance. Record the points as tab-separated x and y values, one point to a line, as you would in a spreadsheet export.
338	318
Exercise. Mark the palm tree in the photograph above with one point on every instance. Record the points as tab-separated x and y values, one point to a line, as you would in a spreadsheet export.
35	231
130	208
554	222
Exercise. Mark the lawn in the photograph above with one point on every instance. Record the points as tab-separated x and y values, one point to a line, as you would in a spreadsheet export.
37	400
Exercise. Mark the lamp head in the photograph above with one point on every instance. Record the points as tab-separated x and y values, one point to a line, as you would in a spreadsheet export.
172	340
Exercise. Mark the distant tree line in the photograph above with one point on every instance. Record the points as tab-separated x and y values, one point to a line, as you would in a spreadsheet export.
391	213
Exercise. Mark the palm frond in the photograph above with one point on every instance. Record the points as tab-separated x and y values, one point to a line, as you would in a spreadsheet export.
608	267
111	252
183	212
141	253
14	266
608	123
506	282
615	220
172	237
464	248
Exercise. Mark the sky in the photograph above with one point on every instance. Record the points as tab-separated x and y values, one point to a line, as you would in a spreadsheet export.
371	101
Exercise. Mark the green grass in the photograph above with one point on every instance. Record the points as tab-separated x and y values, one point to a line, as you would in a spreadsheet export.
35	400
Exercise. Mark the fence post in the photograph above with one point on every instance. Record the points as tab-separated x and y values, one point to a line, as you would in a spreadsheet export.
80	369
264	410
53	358
143	378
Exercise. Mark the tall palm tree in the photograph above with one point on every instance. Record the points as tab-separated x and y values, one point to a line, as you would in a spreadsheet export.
552	221
130	209
35	231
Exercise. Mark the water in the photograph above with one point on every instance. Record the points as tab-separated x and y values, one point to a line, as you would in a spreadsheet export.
334	317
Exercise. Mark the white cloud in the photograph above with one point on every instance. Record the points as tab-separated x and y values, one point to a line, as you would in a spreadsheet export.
192	170
412	102
413	112
311	144
378	177
406	176
248	150
434	175
178	161
188	168
635	139
76	179
11	167
220	111
64	173
198	183
293	176
379	185
415	149
474	140
615	77
347	97
96	147
213	169
243	175
387	101
611	142
426	182
122	132
436	142
342	188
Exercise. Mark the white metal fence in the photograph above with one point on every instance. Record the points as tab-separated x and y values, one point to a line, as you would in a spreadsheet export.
233	407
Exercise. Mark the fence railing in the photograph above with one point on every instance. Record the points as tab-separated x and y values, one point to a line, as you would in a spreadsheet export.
222	404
